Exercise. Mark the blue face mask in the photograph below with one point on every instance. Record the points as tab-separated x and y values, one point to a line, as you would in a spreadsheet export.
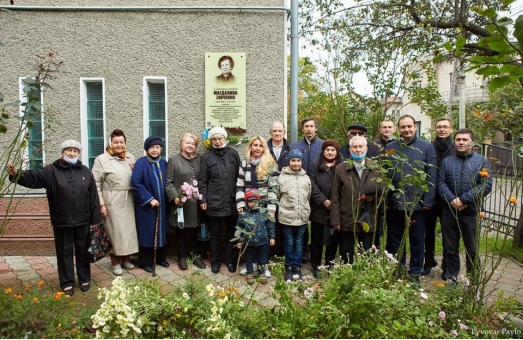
71	161
358	157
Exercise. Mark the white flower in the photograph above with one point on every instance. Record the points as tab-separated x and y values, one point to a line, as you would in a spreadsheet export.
185	296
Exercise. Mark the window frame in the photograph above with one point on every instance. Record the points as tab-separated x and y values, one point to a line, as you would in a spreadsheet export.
23	99
146	113
83	116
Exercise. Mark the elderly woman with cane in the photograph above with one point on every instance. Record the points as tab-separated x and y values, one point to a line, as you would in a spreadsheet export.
73	207
150	205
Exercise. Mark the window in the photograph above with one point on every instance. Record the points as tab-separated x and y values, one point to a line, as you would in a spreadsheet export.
92	97
155	109
31	92
418	129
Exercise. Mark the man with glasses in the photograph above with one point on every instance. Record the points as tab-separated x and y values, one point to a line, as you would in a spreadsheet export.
357	130
444	147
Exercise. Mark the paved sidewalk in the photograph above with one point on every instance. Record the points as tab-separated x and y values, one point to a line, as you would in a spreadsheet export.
17	271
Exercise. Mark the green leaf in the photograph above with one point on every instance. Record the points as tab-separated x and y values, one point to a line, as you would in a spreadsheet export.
448	46
460	42
512	69
518	31
3	129
498	83
488	71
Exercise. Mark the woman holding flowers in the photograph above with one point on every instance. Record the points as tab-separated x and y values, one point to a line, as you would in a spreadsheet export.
182	193
112	173
258	173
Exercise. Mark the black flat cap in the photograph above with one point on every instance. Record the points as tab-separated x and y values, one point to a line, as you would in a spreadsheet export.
357	127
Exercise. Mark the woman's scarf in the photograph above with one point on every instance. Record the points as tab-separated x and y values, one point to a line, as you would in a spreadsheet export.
254	178
111	152
157	163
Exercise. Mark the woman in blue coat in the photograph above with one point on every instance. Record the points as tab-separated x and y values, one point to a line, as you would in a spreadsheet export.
150	204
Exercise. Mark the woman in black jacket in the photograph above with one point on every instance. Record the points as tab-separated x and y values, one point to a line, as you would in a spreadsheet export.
322	173
217	182
73	207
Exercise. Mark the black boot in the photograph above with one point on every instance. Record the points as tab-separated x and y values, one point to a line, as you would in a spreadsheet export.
427	267
288	274
297	271
315	272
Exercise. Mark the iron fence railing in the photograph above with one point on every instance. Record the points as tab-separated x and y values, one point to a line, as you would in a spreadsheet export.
497	207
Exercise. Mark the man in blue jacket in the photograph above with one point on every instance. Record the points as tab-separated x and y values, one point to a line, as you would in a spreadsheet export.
421	156
463	181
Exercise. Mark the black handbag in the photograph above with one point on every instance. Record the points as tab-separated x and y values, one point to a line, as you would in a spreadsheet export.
328	232
98	243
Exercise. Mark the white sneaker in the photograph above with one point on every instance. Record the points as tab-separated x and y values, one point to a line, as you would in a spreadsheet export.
117	270
128	265
254	269
267	273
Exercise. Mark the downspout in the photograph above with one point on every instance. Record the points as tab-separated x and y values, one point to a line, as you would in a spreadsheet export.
294	71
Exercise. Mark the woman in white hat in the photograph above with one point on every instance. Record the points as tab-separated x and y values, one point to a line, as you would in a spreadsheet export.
73	207
217	182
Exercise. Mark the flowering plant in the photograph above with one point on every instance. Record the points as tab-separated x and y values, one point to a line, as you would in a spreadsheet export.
189	192
230	139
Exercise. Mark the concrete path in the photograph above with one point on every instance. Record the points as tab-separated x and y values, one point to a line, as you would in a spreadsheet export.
18	271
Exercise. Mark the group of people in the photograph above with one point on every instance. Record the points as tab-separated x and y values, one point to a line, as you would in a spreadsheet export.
276	189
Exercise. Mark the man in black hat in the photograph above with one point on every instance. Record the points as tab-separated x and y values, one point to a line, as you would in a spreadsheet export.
357	130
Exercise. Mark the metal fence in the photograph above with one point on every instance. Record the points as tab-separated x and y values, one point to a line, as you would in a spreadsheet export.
505	166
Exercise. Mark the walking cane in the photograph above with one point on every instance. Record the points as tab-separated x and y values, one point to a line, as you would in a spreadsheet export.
155	240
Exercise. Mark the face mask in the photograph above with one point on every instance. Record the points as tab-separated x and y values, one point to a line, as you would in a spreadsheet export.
358	157
71	160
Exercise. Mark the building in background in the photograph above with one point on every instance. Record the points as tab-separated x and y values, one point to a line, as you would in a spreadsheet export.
137	67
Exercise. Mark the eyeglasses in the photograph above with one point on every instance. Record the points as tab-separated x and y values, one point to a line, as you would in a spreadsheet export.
442	127
354	133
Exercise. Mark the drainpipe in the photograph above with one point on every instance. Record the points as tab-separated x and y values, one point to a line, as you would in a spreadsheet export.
294	71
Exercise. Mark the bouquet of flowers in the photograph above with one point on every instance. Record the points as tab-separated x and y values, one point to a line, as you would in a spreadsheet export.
187	192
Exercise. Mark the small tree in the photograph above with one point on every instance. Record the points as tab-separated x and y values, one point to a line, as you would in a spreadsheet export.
14	126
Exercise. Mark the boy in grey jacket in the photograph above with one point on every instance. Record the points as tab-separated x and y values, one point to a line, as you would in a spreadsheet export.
294	210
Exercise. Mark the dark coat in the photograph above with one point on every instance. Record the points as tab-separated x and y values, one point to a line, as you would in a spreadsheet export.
347	189
459	177
450	151
257	223
180	170
71	192
417	150
148	183
284	154
321	181
217	181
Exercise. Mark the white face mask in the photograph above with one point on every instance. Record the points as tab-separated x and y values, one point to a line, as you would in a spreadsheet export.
71	160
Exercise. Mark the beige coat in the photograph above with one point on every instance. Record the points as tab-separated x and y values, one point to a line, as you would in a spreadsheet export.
294	194
113	180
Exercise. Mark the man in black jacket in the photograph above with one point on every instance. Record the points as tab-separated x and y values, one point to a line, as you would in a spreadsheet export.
278	145
73	207
444	147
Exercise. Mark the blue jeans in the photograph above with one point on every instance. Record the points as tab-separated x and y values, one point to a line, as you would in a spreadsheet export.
293	244
396	229
259	255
